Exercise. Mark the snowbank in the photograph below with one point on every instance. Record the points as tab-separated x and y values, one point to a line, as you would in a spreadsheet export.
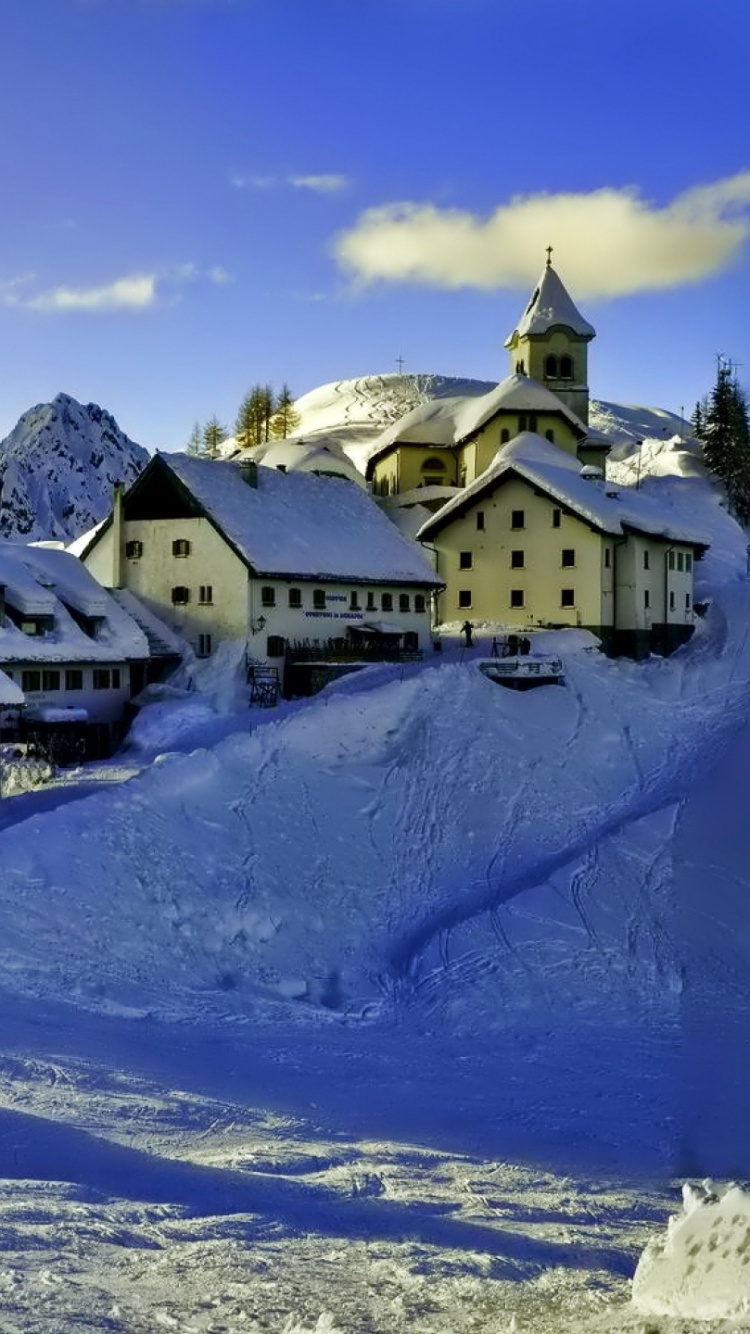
701	1269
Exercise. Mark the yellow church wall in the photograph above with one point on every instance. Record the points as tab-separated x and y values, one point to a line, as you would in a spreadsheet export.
542	578
404	468
487	441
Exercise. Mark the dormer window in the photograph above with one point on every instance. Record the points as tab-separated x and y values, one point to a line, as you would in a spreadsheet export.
90	625
35	625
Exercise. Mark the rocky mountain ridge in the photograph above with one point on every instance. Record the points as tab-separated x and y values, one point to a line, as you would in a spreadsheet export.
58	467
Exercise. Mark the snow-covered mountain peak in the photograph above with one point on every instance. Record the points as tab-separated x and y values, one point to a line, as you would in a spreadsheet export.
58	467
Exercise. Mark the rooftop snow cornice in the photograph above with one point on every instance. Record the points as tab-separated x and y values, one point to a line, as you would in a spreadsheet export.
550	306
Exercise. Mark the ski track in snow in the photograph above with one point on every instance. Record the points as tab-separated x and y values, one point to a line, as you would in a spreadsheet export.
699	742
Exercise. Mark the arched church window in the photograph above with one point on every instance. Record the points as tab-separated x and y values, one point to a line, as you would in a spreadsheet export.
550	366
566	368
433	465
520	368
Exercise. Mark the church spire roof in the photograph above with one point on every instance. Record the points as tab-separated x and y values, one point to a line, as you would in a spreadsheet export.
550	305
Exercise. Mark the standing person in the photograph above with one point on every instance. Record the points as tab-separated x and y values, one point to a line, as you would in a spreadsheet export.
467	630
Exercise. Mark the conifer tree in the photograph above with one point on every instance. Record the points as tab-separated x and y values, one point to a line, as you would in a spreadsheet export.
195	444
698	418
265	409
285	420
726	440
213	435
245	427
254	417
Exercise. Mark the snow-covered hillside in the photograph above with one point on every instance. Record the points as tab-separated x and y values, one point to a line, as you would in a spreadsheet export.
354	412
58	467
405	1008
399	1009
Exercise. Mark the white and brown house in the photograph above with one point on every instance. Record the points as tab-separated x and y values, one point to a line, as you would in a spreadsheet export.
286	562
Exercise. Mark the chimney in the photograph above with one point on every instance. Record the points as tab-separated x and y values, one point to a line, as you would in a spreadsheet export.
248	471
118	538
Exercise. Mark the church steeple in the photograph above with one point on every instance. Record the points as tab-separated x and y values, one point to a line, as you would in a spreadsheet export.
550	342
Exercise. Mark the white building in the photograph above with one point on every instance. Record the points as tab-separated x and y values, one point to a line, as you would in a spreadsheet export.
70	652
287	562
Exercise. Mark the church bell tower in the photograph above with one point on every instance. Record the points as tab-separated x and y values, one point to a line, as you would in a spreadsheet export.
550	343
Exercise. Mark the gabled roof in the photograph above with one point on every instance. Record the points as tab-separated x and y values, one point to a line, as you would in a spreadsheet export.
448	422
557	474
291	525
48	583
550	306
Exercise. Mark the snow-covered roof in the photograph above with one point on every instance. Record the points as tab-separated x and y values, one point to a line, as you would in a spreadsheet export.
10	693
67	579
446	422
82	543
300	526
418	495
295	454
49	583
550	306
162	641
558	475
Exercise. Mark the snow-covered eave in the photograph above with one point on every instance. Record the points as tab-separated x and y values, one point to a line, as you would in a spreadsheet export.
418	495
401	580
561	410
59	655
94	537
491	479
700	544
586	438
559	325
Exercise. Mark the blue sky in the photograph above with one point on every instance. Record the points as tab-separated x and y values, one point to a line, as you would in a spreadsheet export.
202	194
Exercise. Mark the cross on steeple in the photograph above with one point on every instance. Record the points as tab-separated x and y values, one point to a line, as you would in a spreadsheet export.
549	256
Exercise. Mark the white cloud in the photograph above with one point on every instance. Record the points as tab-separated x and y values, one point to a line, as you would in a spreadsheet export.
325	185
607	243
135	293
